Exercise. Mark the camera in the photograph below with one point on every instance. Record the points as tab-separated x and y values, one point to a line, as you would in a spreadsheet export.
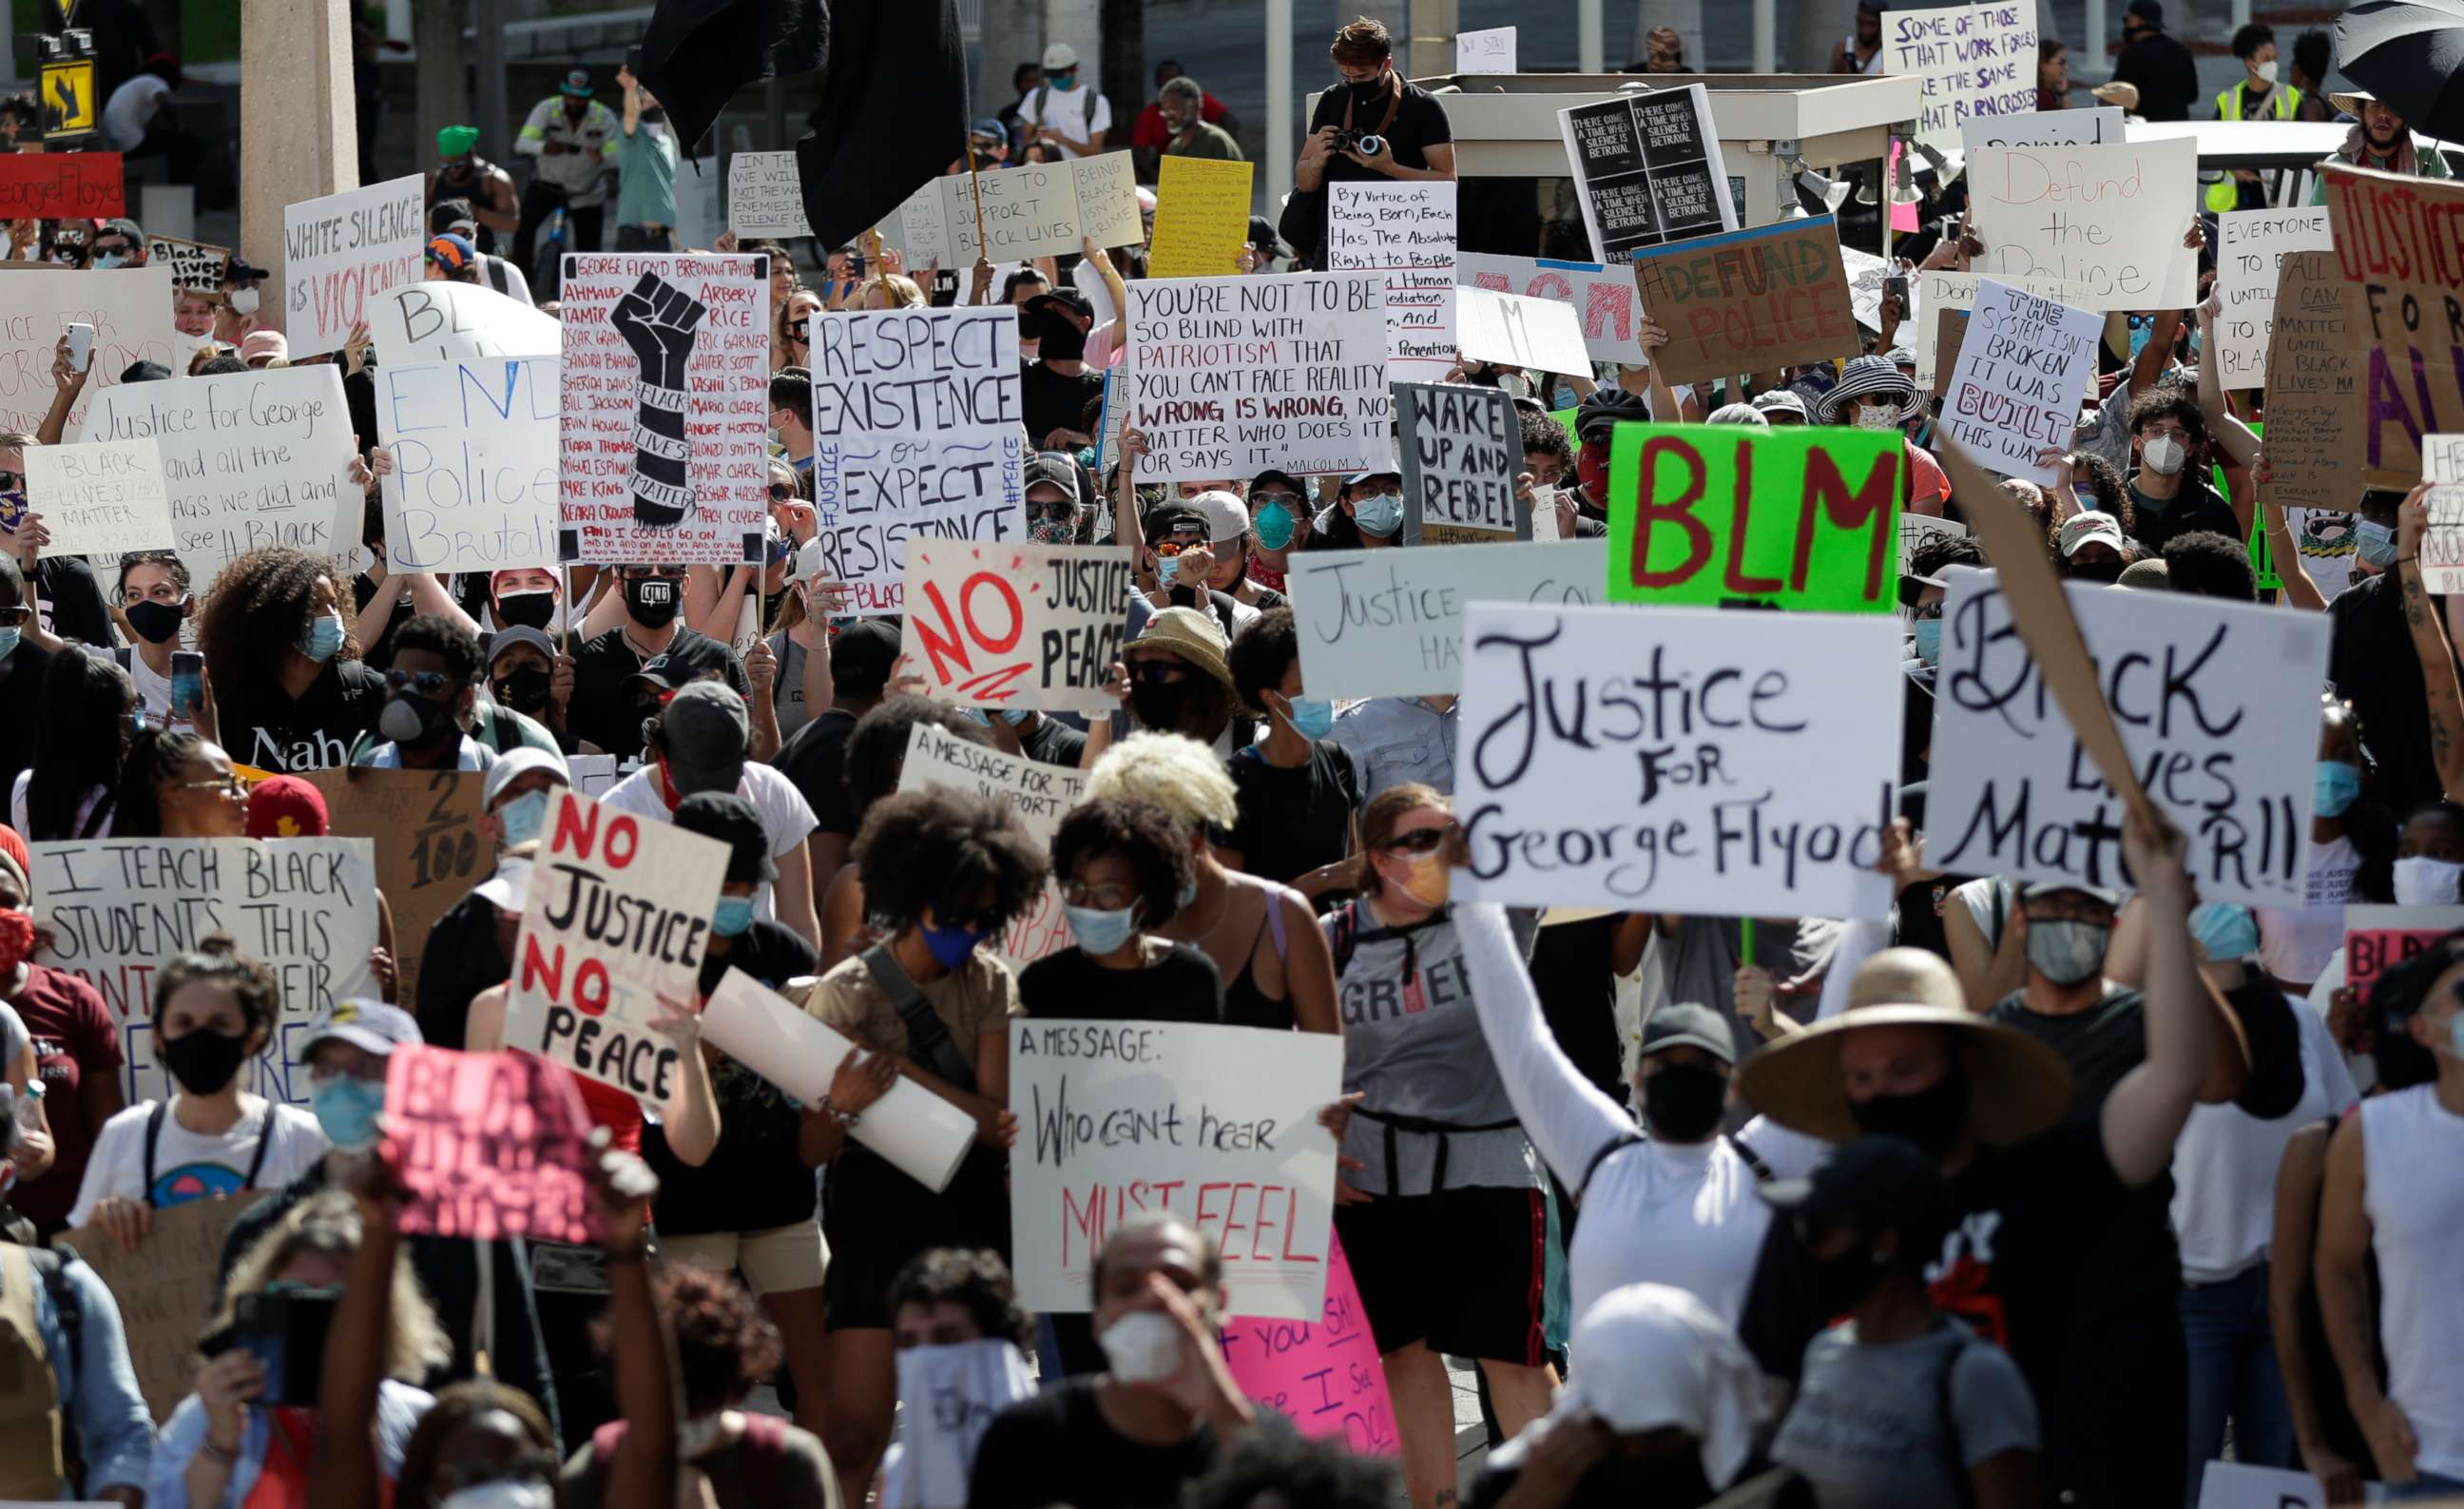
1368	144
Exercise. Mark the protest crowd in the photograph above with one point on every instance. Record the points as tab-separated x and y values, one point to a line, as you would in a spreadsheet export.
1017	838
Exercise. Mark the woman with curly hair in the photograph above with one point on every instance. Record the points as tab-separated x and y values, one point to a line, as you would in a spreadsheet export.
289	684
1122	866
943	871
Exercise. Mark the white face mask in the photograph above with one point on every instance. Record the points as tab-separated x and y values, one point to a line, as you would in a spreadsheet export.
2163	455
503	1493
2424	882
2267	72
1141	1347
1871	417
242	300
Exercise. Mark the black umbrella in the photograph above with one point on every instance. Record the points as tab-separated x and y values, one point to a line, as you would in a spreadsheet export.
2410	54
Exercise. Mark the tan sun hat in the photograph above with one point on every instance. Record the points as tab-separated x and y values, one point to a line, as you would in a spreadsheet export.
2019	1086
1191	634
2350	100
2116	92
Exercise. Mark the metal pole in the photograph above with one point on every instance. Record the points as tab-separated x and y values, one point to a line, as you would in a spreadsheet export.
1277	180
1767	36
2100	67
1587	29
495	112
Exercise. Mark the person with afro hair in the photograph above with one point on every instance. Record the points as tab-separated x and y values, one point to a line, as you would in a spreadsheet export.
291	691
1122	865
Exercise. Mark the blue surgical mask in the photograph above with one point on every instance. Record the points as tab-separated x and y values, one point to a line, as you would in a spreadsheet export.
1563	398
2455	1035
107	260
8	642
346	1108
1188	894
321	638
1101	932
1927	634
1274	526
2374	543
2226	932
734	915
2339	784
1064	82
1312	716
1380	515
523	818
950	945
1017	717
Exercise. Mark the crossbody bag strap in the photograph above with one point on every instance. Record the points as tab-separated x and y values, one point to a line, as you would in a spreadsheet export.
928	1040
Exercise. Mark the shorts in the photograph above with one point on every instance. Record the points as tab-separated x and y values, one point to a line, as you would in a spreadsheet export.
1464	1271
779	1261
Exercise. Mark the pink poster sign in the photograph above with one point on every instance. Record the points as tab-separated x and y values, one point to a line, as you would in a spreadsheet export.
1326	1378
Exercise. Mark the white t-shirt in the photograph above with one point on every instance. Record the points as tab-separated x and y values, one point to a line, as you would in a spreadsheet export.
85	808
187	1167
2295	945
2225	1162
132	104
1065	111
784	813
154	691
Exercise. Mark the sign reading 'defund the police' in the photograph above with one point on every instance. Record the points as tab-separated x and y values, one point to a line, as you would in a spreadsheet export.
1700	761
2211	702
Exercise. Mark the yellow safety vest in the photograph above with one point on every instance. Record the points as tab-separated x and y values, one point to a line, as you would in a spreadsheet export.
2283	103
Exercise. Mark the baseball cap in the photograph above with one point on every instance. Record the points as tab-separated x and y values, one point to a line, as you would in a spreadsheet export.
268	344
1069	298
1682	1024
451	252
731	819
1059	57
862	656
372	1026
515	764
1880	1183
1226	517
2093	527
1360	477
2044	888
1051	466
521	634
989	130
453	215
286	806
576	82
1784	401
2149	11
706	737
238	274
660	675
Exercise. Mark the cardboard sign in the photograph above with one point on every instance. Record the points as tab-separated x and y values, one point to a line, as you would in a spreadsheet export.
1750	300
2024	365
1016	624
103	499
1949	333
913	1129
1538	335
917	227
1604	297
616	918
121	908
431	848
1325	1377
2251	248
1932	292
249	458
1659	761
1920	530
2442	542
164	1291
489	1147
63	185
457	323
475	446
2379	938
2395	237
1407	231
1031	210
1201	217
1708	514
1389	623
1648	169
130	310
1232	375
1490	51
1216	1124
765	197
2033	127
195	267
2111	218
1039	795
1973	60
1462	451
2239	1485
344	250
667	409
916	435
2314	391
2196	687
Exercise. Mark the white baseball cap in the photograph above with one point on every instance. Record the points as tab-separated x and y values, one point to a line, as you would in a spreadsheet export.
1226	517
1060	57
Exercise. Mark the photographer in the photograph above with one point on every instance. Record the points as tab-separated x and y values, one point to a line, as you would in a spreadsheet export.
1374	106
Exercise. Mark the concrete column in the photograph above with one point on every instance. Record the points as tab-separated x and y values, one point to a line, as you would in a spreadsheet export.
297	138
1009	34
1431	53
444	93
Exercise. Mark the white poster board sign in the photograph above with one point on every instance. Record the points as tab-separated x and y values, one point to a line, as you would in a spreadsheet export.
1406	232
1604	297
1017	626
1031	210
1538	335
916	433
1039	795
2239	1485
130	310
2442	542
2023	367
1389	623
667	409
1972	59
1932	292
475	448
1678	782
1226	1138
2111	218
104	498
1648	169
2251	244
2197	687
2089	127
1229	376
342	251
765	196
1488	51
445	322
120	909
249	458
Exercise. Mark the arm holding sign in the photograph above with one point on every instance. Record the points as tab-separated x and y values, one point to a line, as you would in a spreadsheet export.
2429	643
691	1115
2144	1114
67	383
644	1475
346	1472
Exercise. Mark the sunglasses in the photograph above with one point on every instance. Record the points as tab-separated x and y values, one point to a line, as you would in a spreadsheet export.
228	785
12	481
1421	840
780	492
1058	512
16	617
425	683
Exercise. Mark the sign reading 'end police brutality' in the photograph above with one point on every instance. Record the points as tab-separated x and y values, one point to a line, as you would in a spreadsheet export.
1710	514
1683	759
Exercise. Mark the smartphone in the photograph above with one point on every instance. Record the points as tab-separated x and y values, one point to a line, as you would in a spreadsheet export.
80	347
633	61
188	683
1896	286
285	1328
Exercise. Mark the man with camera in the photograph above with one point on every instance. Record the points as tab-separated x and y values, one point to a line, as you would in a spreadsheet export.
1377	125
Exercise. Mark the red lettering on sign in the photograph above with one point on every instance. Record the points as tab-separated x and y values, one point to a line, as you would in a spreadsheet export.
1827	494
1679	512
590	988
536	963
1734	577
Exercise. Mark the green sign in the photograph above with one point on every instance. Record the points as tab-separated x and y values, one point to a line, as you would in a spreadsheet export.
1792	516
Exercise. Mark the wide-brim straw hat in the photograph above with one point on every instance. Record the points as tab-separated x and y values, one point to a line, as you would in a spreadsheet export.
1867	377
2350	100
2018	1086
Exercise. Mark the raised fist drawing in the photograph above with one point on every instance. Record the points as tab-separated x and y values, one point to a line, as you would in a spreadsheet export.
658	320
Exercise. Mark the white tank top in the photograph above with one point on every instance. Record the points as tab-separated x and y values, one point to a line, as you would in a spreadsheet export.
2412	1154
1870	65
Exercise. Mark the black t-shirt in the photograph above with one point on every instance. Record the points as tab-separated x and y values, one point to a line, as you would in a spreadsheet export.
462	959
21	700
815	757
73	601
1053	741
264	728
1182	986
2157	520
380	654
604	711
1049	401
1573	971
2371	663
755	1178
2166	76
1292	820
1057	1449
1419	123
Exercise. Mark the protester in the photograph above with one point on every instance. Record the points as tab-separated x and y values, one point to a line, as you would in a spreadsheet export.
1072	117
2313	60
2152	62
954	1312
176	785
1055	388
2169	491
1177	681
431	696
575	140
1860	52
861	658
77	1052
1413	141
646	173
1296	787
1279	524
290	690
1154	128
2380	140
1227	547
463	175
1192	131
2053	76
153	604
80	743
619	676
23	668
1122	868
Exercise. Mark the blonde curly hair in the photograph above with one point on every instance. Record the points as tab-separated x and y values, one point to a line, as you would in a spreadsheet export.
328	1223
1176	773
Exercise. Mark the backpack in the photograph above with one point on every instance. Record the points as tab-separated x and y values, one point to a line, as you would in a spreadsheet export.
761	1454
1762	1171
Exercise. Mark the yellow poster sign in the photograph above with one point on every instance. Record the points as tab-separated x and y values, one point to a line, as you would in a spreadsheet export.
1201	218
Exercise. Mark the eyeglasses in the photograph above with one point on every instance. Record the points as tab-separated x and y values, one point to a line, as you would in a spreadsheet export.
780	492
662	573
12	481
372	1072
228	785
16	617
1928	610
1158	673
1168	548
1111	897
1421	840
106	248
426	683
